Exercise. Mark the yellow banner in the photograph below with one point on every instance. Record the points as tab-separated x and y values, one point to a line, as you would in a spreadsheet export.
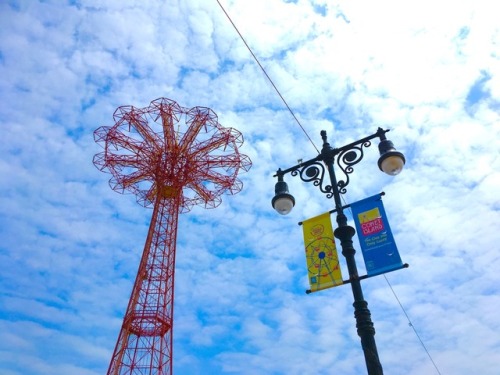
321	253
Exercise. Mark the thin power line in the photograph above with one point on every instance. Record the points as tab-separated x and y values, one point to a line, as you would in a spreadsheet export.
412	326
267	76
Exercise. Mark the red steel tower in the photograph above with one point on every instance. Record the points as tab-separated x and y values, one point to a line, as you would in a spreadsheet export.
172	158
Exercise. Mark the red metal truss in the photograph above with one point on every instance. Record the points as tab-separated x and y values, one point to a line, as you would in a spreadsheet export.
171	158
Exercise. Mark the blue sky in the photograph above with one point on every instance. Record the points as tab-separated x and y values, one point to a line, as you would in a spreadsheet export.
429	71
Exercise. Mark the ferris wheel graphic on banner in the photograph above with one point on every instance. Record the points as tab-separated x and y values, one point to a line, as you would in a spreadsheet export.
322	260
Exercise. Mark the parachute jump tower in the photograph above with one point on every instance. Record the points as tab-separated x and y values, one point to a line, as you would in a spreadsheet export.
172	158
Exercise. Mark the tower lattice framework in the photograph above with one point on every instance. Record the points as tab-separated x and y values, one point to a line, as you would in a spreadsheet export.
172	158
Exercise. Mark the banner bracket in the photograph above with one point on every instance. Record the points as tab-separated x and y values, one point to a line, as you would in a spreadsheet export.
382	193
344	282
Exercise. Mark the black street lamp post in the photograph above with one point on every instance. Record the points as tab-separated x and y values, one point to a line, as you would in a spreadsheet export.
391	162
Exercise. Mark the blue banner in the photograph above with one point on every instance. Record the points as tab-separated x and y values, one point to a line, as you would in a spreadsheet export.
375	237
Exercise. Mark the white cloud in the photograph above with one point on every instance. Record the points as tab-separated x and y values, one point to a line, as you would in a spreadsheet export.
71	246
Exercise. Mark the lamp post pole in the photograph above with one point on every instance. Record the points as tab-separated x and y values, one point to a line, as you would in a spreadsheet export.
391	162
345	233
